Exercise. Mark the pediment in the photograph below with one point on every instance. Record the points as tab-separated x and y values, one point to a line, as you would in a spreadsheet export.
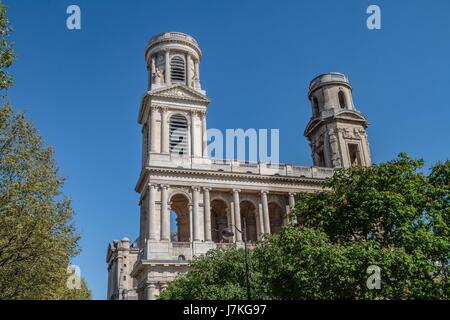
345	115
350	115
179	92
312	124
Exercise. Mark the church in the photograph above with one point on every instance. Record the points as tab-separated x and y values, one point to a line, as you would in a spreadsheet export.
187	198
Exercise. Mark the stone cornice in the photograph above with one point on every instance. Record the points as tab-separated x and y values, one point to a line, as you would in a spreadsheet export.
142	265
257	178
345	116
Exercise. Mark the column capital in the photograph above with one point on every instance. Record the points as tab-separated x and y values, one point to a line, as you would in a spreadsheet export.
206	188
194	112
152	185
264	191
236	190
164	186
292	193
195	188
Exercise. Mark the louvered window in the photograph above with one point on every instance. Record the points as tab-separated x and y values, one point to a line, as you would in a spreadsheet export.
178	135
177	69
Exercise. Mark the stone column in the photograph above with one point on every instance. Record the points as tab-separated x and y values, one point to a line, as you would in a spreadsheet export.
237	215
261	219
231	220
153	132
190	223
188	70
165	215
292	205
164	131
265	209
204	136
167	68
197	72
195	214
348	98
326	151
145	148
151	72
326	98
151	213
142	226
193	135
151	288
207	214
345	161
258	224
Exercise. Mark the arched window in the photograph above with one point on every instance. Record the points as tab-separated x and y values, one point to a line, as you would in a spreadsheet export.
342	102
177	69
178	137
179	218
316	106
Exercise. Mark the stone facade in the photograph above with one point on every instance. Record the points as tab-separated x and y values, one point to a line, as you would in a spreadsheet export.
336	131
202	196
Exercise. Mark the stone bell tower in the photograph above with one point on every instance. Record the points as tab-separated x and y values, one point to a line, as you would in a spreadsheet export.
173	110
336	131
173	58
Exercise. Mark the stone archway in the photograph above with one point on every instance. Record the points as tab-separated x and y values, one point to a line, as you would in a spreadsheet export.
275	217
219	220
248	212
179	219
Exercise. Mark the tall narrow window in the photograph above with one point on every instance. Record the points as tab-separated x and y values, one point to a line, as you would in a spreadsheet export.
178	138
316	106
342	102
177	69
354	154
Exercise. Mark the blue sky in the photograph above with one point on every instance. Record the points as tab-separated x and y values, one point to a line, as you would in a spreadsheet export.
82	89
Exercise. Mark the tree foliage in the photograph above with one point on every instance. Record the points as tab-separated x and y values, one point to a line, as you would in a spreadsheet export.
6	50
389	215
396	210
218	275
37	235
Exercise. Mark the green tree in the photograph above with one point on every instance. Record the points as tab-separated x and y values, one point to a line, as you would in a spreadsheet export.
219	275
392	211
37	235
77	294
390	215
6	50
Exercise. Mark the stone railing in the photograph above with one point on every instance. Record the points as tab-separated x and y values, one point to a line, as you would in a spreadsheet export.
184	250
173	35
275	169
271	169
225	245
181	244
328	77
